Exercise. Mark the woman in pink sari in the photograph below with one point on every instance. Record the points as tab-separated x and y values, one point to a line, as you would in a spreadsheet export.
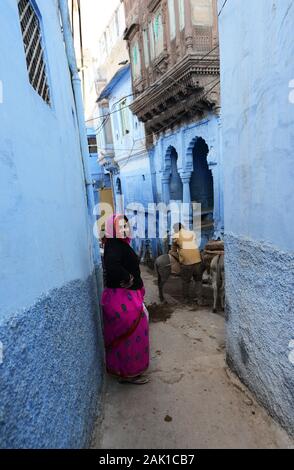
126	329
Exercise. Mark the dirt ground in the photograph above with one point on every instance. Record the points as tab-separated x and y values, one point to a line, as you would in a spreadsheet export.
192	401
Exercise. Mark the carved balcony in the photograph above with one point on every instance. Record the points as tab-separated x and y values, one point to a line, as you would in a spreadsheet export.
188	89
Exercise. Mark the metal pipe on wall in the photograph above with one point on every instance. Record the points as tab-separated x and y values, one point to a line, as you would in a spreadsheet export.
76	84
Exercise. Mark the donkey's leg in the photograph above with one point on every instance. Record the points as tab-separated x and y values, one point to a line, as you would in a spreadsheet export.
215	290
159	282
163	276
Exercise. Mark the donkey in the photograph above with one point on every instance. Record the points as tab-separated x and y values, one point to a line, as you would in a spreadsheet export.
163	267
217	271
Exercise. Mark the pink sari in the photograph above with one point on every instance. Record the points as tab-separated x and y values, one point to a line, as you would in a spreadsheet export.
126	332
126	327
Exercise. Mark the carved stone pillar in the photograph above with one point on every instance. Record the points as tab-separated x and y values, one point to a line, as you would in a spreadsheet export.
166	189
165	25
188	27
187	208
178	32
186	178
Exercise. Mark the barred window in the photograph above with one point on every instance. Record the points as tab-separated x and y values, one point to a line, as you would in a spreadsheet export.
92	144
32	39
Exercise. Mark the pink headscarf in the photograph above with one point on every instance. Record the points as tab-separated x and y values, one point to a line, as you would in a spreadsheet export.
111	226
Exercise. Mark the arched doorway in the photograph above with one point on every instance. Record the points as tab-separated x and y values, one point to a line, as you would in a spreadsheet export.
176	185
172	191
201	187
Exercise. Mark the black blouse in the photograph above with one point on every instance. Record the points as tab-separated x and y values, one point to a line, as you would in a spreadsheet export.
120	261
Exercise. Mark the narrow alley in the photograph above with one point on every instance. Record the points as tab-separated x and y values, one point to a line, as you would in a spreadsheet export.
146	148
193	400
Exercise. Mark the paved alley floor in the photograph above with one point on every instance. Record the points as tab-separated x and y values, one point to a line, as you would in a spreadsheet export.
192	400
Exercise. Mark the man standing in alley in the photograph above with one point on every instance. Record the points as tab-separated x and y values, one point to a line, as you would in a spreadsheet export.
185	246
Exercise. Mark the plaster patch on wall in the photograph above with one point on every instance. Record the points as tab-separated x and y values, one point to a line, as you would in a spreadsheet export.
259	290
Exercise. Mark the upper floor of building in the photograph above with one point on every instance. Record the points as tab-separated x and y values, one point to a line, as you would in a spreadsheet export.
113	34
120	135
173	46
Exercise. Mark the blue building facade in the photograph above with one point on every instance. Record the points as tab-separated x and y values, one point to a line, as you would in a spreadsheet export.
51	359
183	165
100	178
188	165
126	156
258	123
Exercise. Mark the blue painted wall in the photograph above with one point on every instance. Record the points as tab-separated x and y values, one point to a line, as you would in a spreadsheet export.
49	318
257	49
130	151
99	177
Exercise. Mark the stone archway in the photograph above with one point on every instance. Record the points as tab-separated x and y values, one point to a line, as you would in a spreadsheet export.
171	181
172	188
176	185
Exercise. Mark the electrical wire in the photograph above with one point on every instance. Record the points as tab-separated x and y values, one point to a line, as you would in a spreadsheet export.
155	85
103	124
104	115
224	4
177	81
154	133
176	120
107	116
122	99
144	150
